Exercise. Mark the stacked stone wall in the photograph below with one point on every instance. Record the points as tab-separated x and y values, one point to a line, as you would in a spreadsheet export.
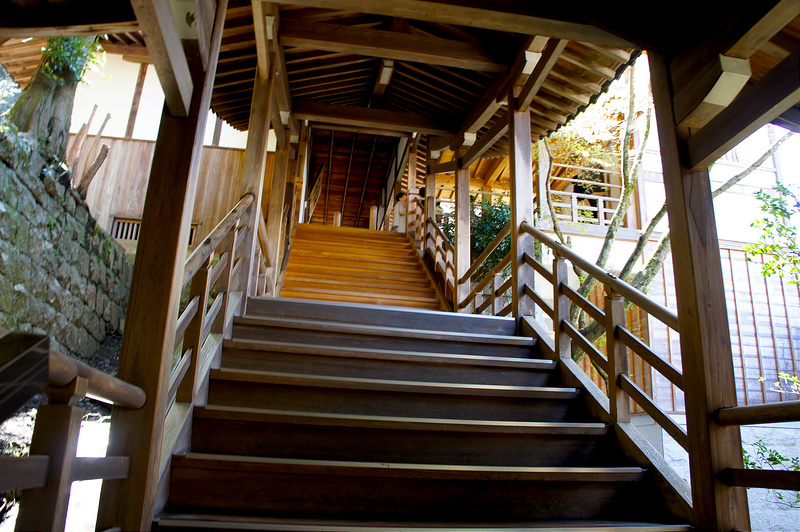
60	274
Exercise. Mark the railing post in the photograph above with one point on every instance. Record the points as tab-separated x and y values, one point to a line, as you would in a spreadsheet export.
373	217
337	219
563	343
462	238
226	282
520	151
497	300
617	354
56	435
193	337
277	196
703	321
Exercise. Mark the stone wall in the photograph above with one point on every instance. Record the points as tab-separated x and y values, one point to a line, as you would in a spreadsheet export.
60	274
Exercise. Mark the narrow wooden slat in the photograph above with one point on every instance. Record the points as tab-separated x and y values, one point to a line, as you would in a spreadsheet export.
596	313
186	316
540	268
486	252
669	371
218	268
499	291
531	293
506	310
106	468
649	406
212	313
23	473
178	373
761	478
576	336
786	411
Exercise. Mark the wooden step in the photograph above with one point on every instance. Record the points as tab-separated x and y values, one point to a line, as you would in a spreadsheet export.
346	437
292	282
410	279
420	285
317	393
203	522
301	254
397	338
356	247
380	317
375	490
373	363
362	298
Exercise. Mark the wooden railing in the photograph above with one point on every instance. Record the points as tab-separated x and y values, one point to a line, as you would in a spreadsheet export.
433	246
614	362
568	206
493	281
46	475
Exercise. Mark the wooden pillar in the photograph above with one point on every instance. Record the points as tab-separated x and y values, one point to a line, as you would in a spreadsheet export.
521	177
275	215
703	321
255	160
462	237
149	338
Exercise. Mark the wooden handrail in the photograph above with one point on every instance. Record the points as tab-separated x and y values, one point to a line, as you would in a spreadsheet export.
754	414
500	266
498	239
103	386
195	261
619	286
447	243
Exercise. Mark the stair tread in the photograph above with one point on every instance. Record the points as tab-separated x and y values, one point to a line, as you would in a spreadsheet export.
308	525
422	286
407	470
372	330
331	291
355	287
399	423
536	364
491	390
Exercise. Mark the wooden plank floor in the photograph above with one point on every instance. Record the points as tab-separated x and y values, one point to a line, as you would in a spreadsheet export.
350	265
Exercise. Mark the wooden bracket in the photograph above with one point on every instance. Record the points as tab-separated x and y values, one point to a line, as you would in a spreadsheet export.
705	96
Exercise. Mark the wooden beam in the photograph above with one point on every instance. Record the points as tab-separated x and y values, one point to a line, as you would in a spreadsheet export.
771	96
149	339
137	96
514	17
711	90
389	45
371	118
703	323
762	31
540	72
164	44
260	31
68	18
277	195
485	142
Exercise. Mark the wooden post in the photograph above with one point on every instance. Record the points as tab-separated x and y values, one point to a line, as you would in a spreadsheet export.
462	238
373	218
149	338
520	148
255	160
275	216
337	219
617	354
193	337
703	321
563	342
497	301
56	435
226	282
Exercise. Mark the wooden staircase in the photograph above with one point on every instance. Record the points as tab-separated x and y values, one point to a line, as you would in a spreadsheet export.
344	264
341	417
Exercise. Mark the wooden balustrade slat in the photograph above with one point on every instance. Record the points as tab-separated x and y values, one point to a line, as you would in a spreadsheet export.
503	287
497	302
64	369
240	238
531	293
596	313
195	261
483	306
179	373
105	468
761	478
218	268
23	472
486	252
576	336
211	315
506	310
505	261
540	268
447	243
649	406
630	293
669	371
753	414
186	316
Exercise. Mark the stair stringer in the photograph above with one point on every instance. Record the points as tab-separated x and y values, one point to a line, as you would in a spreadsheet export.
674	491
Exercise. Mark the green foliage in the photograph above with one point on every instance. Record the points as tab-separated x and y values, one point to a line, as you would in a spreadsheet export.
786	384
66	59
765	458
778	241
486	220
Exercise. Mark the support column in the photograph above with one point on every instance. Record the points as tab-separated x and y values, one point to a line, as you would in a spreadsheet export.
462	237
275	216
703	321
149	338
520	149
255	160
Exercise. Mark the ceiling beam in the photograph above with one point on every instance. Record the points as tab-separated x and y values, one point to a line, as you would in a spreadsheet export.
540	72
371	118
389	45
163	39
768	98
68	18
501	15
260	30
486	141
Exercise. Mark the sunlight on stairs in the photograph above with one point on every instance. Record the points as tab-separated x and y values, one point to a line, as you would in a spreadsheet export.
357	266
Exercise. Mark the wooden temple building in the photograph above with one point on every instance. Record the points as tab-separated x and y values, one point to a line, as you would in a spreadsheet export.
328	376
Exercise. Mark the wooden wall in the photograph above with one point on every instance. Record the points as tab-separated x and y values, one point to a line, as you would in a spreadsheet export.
764	322
118	189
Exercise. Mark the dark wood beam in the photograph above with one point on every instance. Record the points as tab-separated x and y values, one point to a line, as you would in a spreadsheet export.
540	72
372	118
389	45
68	18
502	15
486	141
771	96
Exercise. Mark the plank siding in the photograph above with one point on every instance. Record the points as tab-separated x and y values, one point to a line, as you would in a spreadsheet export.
118	189
764	323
